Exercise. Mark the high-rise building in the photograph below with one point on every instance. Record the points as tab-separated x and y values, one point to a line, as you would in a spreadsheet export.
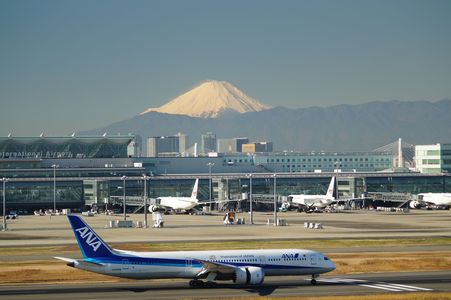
240	142
208	142
167	145
183	143
232	145
257	147
433	158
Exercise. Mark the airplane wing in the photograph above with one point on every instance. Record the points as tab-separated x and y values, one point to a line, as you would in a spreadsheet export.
209	267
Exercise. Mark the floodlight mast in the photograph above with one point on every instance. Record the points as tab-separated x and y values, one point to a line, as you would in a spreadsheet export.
124	203
4	180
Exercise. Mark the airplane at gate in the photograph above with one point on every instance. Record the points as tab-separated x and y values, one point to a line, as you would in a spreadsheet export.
437	199
307	202
177	203
245	267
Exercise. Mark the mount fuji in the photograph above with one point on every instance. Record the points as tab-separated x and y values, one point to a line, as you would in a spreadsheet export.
210	99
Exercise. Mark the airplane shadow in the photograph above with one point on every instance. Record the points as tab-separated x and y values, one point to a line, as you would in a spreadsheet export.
262	290
266	289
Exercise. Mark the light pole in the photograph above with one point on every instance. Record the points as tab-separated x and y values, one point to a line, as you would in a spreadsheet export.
210	165
4	203
123	203
250	199
275	200
54	187
145	177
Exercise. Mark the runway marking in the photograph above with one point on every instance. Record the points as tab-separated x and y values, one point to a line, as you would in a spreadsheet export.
379	287
340	280
409	286
392	287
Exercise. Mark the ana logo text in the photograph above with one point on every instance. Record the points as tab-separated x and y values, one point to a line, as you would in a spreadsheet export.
290	256
89	237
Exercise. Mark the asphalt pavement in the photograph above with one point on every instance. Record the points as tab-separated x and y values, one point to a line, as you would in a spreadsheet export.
362	284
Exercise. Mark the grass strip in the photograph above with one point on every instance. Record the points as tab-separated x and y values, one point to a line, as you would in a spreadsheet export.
249	244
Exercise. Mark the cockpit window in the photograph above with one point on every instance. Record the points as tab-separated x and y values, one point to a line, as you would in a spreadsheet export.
326	258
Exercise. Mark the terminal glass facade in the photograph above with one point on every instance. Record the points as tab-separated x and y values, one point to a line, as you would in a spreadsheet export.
325	162
63	147
409	184
35	193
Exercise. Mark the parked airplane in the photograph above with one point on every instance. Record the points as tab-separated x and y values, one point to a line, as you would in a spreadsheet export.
247	267
437	199
308	202
176	203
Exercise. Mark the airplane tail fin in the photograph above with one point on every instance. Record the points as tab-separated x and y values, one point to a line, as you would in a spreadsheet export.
194	192
330	190
91	245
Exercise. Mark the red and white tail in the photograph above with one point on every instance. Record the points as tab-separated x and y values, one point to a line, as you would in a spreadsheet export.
330	190
194	192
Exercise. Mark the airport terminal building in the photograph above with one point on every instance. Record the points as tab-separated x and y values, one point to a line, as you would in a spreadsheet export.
85	171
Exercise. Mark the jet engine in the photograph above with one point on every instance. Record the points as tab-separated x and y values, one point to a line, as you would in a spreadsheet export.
153	208
416	204
249	275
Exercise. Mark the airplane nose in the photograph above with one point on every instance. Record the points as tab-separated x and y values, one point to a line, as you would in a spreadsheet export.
332	266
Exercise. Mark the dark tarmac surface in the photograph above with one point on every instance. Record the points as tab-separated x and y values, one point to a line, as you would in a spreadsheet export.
362	284
44	231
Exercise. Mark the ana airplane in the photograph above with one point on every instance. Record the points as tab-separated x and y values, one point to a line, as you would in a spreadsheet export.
308	202
176	203
437	199
246	267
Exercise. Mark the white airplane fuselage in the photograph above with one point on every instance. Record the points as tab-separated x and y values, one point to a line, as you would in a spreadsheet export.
185	264
439	199
318	201
177	203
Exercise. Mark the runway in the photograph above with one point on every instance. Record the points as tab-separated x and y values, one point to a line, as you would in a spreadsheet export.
362	284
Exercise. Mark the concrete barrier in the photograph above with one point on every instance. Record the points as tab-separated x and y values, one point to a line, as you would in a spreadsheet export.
282	222
124	224
393	209
309	225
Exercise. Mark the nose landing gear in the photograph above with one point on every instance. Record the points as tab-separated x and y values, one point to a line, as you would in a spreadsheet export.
313	281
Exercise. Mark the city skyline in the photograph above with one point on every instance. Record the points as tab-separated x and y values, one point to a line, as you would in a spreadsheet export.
77	65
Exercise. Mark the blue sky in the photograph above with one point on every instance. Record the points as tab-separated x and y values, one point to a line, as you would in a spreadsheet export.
75	65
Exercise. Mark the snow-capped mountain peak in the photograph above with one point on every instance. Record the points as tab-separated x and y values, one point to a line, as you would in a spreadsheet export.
211	99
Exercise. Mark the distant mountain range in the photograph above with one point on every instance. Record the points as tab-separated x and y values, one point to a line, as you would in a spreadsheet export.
360	127
220	107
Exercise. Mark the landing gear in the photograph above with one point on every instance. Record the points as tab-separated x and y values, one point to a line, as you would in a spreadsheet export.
195	283
313	281
210	284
